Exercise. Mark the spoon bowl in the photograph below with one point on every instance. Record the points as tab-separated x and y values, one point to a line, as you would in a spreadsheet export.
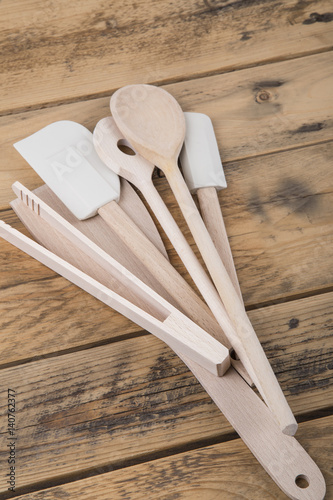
152	120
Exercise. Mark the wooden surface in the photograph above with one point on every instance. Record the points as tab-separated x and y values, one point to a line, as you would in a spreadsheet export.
90	424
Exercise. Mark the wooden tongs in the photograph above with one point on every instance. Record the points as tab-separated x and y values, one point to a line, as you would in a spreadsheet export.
158	316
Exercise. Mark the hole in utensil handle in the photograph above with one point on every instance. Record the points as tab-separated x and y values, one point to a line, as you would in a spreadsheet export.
125	147
302	481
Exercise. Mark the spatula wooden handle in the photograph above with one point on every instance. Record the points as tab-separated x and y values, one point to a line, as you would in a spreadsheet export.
149	257
246	345
131	204
212	216
147	254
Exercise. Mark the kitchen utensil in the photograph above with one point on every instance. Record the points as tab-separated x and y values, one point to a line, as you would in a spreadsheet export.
282	456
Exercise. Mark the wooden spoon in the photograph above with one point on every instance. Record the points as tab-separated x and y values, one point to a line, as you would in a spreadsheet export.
154	124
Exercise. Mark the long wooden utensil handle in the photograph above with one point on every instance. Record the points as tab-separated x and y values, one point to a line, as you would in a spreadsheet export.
212	216
246	344
281	456
131	204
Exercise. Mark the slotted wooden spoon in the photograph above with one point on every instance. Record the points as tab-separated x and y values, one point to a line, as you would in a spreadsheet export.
154	124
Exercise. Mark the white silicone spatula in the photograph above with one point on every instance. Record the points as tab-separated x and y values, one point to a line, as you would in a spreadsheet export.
203	171
63	155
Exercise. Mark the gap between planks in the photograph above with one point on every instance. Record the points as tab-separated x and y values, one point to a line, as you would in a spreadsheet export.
78	348
143	333
290	298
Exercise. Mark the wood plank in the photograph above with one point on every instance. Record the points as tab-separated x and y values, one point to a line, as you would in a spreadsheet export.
278	215
265	109
53	52
224	471
125	400
298	111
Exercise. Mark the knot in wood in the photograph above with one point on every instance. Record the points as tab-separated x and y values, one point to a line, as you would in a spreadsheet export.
263	96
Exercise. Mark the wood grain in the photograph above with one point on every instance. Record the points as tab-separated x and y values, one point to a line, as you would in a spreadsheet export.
212	216
224	471
261	70
82	410
53	51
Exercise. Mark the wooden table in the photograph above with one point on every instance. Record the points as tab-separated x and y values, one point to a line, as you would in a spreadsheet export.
104	409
